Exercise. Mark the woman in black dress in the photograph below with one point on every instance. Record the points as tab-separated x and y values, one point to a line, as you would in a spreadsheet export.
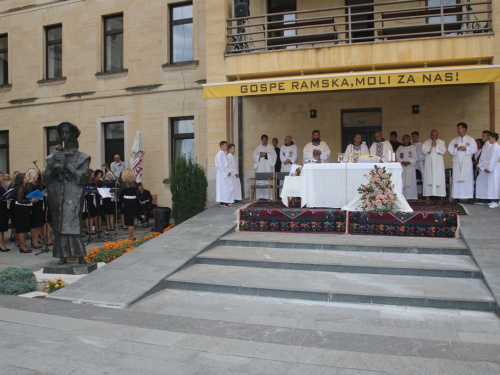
4	218
22	211
99	205
37	210
128	196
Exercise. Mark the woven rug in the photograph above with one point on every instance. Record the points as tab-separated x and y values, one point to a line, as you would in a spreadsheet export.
438	221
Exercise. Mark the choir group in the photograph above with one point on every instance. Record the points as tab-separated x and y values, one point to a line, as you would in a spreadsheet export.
24	205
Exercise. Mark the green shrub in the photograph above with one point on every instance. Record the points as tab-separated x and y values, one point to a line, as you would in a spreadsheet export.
15	281
188	186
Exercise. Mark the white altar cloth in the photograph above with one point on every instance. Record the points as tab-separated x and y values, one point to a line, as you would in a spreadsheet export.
334	185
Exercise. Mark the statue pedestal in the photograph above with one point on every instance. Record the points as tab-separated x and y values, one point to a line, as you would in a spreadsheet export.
70	268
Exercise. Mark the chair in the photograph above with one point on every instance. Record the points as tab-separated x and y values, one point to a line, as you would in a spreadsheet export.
267	178
279	181
153	211
420	181
448	176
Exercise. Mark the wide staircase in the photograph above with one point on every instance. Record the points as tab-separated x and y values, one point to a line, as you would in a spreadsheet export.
423	272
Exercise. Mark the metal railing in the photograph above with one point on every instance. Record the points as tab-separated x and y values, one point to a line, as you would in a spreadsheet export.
365	23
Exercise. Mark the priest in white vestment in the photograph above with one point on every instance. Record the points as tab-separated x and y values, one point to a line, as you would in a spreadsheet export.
462	148
224	183
316	150
434	179
488	180
264	159
289	154
235	175
357	148
381	147
406	154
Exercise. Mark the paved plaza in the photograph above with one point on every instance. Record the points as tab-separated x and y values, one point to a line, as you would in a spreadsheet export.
129	317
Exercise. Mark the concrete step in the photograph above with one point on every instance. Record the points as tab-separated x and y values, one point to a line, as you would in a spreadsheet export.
439	292
320	241
434	265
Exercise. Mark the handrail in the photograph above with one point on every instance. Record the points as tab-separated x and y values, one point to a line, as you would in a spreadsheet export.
388	20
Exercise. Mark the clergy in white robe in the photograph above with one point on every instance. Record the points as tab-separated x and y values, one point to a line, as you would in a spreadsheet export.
434	179
462	148
407	156
420	155
357	148
264	159
289	154
223	183
488	180
381	147
235	175
316	150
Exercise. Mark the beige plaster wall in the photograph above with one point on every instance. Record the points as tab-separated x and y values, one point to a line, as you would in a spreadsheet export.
146	48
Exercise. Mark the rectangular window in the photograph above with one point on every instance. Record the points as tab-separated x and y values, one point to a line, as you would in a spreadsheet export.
437	3
183	138
181	32
53	52
114	141
4	61
53	139
113	43
4	151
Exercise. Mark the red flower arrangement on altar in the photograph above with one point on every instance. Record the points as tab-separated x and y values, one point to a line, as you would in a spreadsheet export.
378	193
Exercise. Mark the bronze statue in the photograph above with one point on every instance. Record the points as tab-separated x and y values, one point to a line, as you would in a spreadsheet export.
66	176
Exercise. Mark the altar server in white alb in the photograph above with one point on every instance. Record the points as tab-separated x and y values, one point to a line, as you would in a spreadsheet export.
264	159
357	148
434	179
317	149
224	183
488	180
289	154
381	147
406	154
235	175
462	148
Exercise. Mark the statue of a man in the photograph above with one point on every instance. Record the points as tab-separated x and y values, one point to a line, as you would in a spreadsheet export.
66	174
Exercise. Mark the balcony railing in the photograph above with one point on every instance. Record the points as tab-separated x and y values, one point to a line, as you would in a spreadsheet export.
377	22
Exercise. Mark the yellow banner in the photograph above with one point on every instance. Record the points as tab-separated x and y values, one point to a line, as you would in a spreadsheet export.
353	81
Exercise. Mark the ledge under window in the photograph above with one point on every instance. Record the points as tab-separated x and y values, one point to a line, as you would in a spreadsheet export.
180	65
113	74
6	87
52	81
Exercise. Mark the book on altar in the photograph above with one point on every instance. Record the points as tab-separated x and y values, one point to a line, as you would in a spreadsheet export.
8	193
37	194
369	159
104	192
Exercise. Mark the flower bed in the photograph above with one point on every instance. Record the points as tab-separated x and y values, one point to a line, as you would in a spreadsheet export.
112	250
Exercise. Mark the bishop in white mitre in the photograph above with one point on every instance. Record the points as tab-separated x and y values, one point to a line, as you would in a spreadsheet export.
357	148
381	147
488	181
406	154
462	148
434	179
317	149
289	154
264	159
224	183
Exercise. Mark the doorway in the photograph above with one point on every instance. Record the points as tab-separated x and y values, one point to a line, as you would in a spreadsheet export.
361	20
366	121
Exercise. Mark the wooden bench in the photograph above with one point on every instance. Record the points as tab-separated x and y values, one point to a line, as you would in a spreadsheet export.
419	30
298	24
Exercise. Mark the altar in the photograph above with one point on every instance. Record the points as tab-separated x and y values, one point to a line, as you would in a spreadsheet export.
334	185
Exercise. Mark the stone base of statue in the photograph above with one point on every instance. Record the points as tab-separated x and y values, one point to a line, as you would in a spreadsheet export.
70	268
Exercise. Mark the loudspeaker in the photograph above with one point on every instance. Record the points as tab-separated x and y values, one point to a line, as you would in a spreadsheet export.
162	218
241	8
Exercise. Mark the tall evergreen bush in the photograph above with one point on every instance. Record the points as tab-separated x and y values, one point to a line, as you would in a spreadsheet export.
188	186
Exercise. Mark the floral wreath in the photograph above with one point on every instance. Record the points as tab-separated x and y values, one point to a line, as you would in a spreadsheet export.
378	193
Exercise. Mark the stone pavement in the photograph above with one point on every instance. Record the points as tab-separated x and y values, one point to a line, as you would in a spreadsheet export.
16	259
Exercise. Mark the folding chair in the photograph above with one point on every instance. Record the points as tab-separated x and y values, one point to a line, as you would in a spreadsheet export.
448	177
267	178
